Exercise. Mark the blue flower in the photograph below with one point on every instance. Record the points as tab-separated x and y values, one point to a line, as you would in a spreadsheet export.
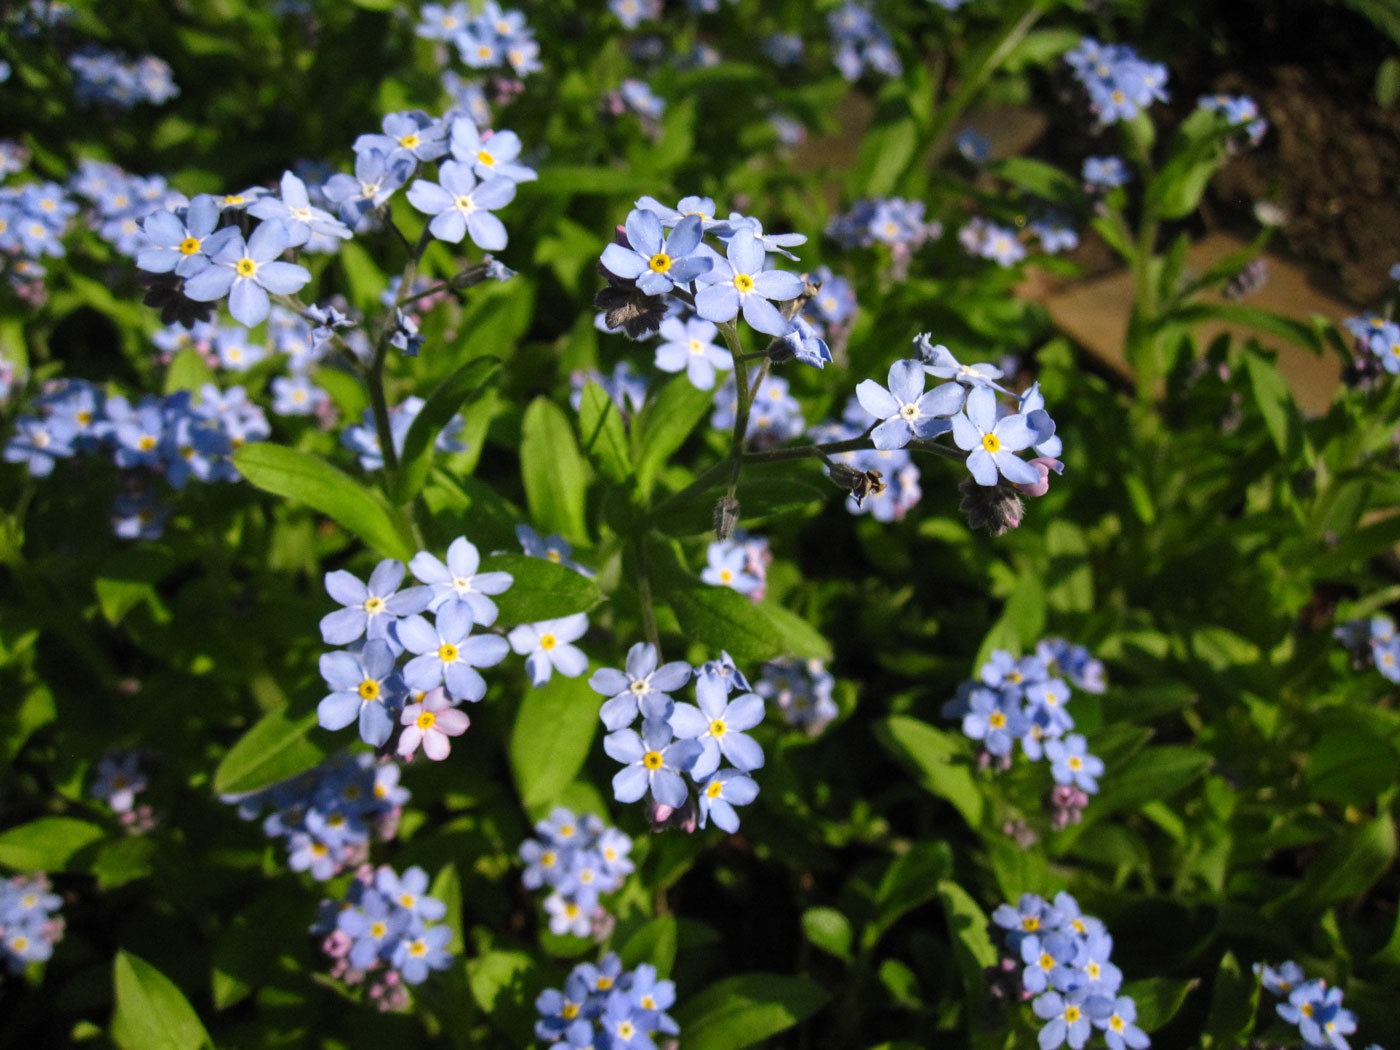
296	214
689	346
806	344
377	177
551	548
374	928
183	244
741	283
1070	762
363	684
1048	958
460	205
459	580
545	646
410	136
718	725
1069	1017
651	998
1091	959
247	272
1104	172
907	411
1118	1028
995	719
721	674
993	443
492	154
369	610
657	261
39	443
702	208
415	956
1031	915
448	652
721	793
729	567
642	686
408	892
653	760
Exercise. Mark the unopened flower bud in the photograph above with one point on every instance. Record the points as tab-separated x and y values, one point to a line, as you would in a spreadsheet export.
859	483
726	517
995	508
1043	466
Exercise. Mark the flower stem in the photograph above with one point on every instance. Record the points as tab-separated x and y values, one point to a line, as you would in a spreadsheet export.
639	547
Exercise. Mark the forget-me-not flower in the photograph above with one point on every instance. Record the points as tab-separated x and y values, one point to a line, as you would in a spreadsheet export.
641	686
718	725
369	609
993	443
183	245
908	412
246	273
721	793
740	282
653	760
545	646
448	652
460	205
657	261
458	580
363	685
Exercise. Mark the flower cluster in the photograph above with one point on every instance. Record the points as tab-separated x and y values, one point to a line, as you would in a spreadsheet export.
118	781
385	931
860	42
495	37
1064	961
579	858
1373	641
1314	1008
679	737
105	76
775	416
801	689
328	814
987	240
29	922
893	221
1378	337
175	436
1104	173
1026	700
661	258
740	563
603	1005
380	622
1239	111
1118	82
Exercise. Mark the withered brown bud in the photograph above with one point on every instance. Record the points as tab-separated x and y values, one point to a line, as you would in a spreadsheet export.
995	508
635	312
726	517
166	292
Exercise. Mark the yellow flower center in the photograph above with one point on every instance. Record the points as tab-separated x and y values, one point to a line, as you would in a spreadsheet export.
696	347
418	948
426	720
482	157
234	198
483	52
447	653
554	556
548	642
1030	924
648	1003
374	605
1116	1023
547	860
571	910
1306	1010
1071	1014
716	789
1093	970
1118	98
652	760
245	267
659	263
566	831
1079	926
407	900
298	396
146	443
1075	763
997	720
369	689
189	246
1047	961
718	728
569	1012
743	282
991	442
604	982
378	930
725	576
409	141
20	943
625	1030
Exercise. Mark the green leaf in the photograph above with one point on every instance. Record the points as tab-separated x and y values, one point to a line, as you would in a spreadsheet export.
1276	405
1347	868
800	638
665	423
541	590
300	476
362	274
931	755
241	959
46	844
1178	186
151	1013
655	941
1234	1001
1247	317
746	1009
187	371
1040	179
910	880
454	392
760	495
1158	999
553	732
1351	767
497	980
973	950
447	887
604	439
829	930
273	750
1156	773
721	618
553	471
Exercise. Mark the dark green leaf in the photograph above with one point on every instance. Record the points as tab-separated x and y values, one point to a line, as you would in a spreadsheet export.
277	748
541	589
554	727
666	422
151	1013
720	618
602	434
46	844
910	880
655	942
1234	1001
552	471
829	930
937	760
453	393
311	480
1158	999
743	1010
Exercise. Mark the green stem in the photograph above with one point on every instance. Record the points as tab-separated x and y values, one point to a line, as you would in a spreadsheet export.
859	444
374	374
639	547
